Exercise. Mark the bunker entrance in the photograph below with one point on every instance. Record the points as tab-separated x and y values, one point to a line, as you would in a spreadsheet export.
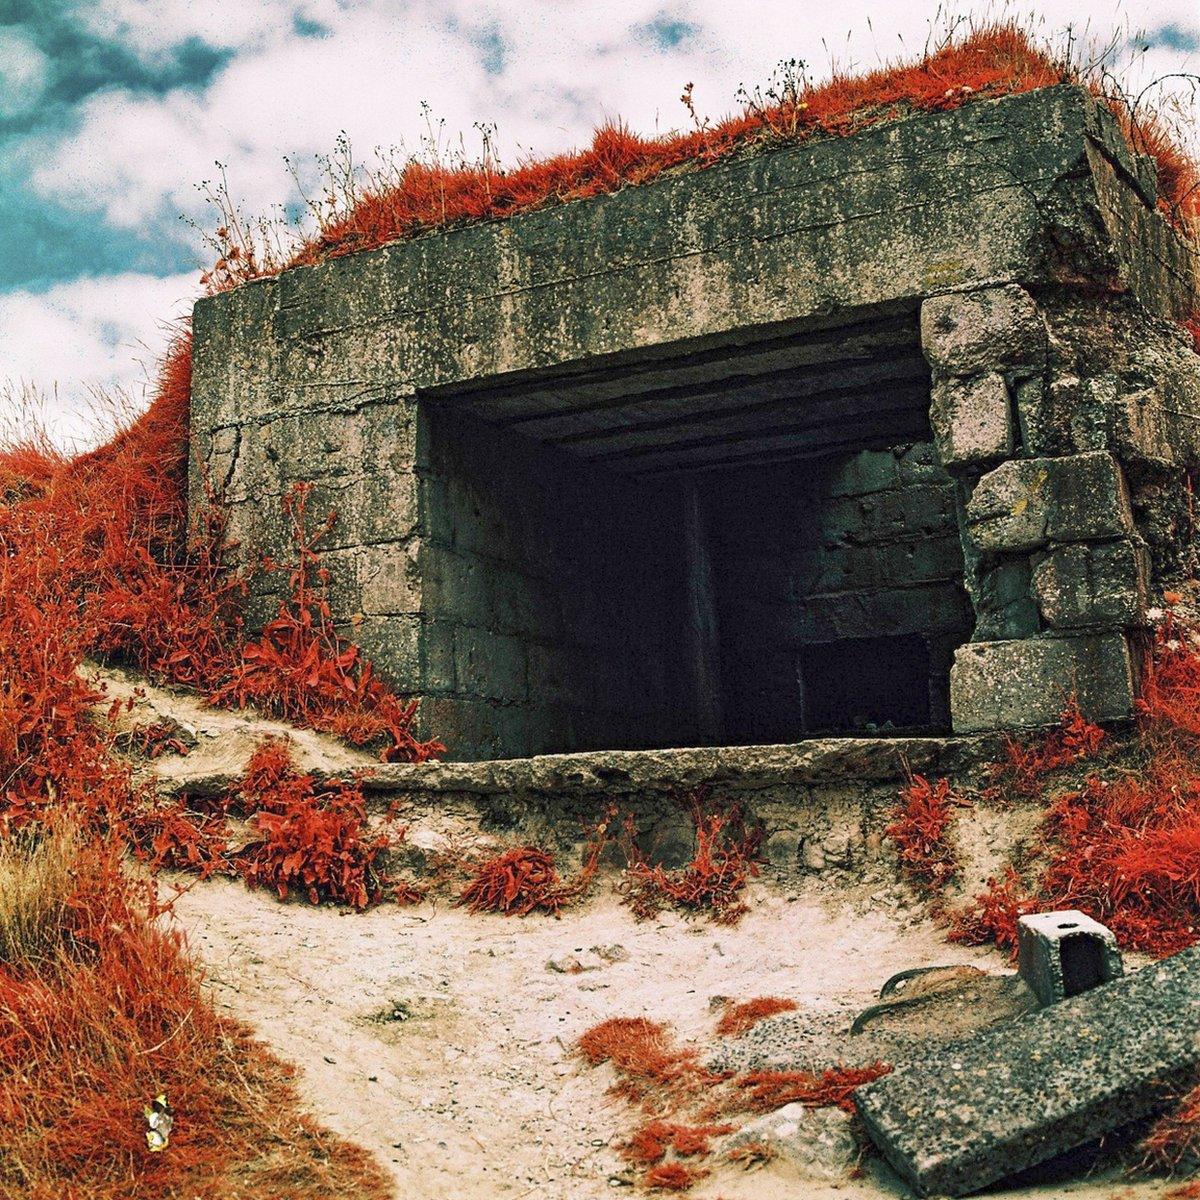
741	544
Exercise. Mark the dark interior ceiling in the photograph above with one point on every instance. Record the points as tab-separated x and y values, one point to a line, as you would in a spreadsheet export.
795	395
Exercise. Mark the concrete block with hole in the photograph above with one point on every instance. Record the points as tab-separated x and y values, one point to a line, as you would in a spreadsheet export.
1061	954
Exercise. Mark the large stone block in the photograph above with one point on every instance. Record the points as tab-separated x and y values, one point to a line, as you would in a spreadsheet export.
972	419
1025	503
1014	1095
1092	584
998	685
990	329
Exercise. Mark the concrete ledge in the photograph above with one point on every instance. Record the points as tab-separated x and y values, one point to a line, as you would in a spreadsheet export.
614	773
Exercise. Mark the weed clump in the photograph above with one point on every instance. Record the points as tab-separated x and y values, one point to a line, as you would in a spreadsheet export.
713	881
920	829
739	1018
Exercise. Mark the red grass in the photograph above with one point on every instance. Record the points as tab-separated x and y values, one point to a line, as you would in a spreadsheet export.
112	1018
673	1177
738	1018
997	60
713	881
690	1104
1174	1139
765	1091
992	915
920	830
644	1051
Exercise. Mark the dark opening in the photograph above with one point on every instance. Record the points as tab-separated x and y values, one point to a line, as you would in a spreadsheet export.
1082	958
864	683
734	544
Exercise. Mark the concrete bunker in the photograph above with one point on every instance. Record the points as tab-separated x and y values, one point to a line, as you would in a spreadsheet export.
745	543
888	429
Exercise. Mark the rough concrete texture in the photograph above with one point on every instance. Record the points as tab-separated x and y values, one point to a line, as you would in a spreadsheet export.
1026	682
521	424
1016	1095
818	1143
1063	953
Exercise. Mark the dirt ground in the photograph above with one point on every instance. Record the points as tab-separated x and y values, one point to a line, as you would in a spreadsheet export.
442	1042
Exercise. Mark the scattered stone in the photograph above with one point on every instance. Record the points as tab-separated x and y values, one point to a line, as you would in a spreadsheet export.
965	1115
818	1143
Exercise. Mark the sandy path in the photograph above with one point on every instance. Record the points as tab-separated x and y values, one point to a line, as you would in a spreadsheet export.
476	1094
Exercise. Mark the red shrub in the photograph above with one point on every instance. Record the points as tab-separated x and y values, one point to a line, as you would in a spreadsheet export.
713	881
920	827
313	840
738	1018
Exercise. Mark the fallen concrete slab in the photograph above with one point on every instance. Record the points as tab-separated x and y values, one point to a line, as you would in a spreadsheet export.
1018	1094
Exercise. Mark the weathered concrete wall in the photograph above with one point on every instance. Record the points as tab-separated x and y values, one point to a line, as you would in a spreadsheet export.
818	563
1025	230
1072	423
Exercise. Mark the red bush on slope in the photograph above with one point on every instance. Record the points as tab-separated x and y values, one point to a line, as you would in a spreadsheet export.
106	1019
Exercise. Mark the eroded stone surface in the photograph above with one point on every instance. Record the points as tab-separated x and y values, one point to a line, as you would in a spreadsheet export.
1007	1098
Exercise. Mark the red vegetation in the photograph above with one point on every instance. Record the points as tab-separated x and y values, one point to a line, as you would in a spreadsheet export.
992	915
113	1015
525	879
996	60
920	828
1026	765
1123	846
765	1091
673	1177
311	839
1173	1143
303	670
738	1018
713	881
651	1143
690	1103
644	1051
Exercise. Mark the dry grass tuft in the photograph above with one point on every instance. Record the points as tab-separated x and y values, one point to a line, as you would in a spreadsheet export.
36	882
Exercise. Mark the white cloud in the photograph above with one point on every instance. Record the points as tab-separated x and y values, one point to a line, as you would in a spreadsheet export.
72	339
23	73
545	72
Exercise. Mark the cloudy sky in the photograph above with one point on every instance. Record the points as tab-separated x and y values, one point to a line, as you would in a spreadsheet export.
113	111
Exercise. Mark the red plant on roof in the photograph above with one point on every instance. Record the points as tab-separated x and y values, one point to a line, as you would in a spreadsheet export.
996	60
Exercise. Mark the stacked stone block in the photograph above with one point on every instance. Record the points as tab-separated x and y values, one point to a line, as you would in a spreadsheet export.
1053	415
